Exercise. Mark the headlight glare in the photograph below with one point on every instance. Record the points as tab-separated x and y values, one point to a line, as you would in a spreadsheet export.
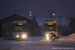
47	38
23	36
47	34
17	36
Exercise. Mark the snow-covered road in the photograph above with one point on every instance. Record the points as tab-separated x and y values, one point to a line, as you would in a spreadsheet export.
36	43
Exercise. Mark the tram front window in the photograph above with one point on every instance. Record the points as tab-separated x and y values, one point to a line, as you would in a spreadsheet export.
19	28
50	27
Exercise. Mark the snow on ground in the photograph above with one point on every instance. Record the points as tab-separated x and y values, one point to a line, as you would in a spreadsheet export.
68	38
36	43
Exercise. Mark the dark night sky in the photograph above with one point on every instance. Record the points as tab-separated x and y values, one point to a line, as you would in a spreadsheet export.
39	8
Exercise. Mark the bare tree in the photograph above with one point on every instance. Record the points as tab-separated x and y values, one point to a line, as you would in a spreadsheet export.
72	21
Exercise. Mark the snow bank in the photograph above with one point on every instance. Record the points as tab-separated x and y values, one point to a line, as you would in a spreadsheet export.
71	37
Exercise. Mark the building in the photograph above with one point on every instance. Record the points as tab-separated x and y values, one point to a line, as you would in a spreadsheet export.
15	17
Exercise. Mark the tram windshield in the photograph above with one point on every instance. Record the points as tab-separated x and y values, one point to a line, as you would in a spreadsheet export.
50	27
20	27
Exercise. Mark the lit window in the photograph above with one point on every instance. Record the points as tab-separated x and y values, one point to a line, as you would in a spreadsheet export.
50	23
50	28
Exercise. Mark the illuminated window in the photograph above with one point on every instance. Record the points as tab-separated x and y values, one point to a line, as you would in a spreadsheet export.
20	28
16	28
20	23
50	28
50	23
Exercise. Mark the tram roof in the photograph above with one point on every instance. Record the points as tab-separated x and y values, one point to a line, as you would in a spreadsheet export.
50	21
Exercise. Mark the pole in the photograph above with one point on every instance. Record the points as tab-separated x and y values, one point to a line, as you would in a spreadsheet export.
60	18
60	21
34	24
34	27
50	11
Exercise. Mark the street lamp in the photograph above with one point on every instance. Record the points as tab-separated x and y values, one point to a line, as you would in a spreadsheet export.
53	14
30	14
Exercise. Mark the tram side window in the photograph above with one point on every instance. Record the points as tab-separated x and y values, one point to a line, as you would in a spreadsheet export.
16	28
46	27
54	28
59	28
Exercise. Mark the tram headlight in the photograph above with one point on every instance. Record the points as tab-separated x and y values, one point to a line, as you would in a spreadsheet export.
47	38
24	36
17	36
47	35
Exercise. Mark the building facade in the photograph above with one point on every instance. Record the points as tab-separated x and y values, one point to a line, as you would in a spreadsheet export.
15	17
